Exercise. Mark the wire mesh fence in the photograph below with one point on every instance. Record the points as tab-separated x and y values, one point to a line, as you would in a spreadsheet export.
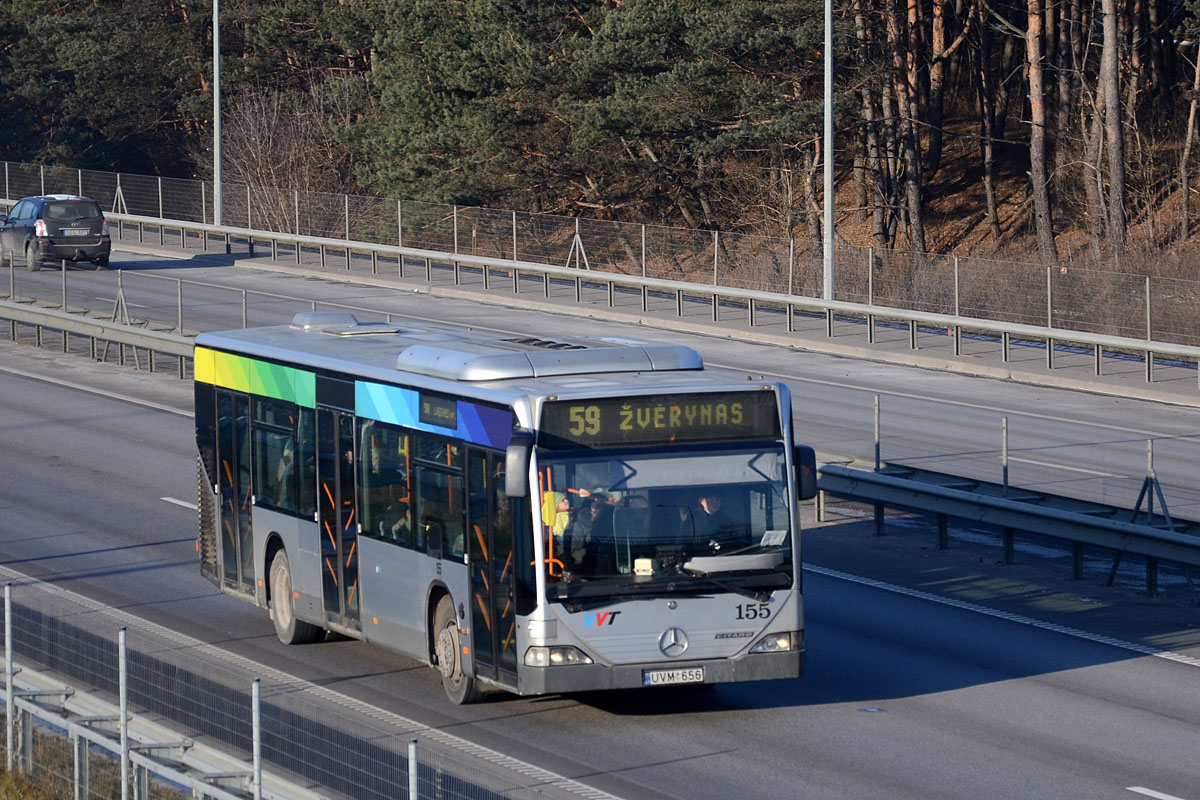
1071	298
310	737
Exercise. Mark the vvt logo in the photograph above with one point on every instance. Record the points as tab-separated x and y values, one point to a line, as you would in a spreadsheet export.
599	618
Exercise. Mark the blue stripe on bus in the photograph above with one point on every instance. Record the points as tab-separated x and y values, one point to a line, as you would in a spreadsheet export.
490	427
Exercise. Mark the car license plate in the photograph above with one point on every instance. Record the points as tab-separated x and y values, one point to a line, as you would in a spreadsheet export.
75	231
667	677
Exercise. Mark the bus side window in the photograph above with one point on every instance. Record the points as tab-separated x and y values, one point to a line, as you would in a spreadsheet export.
307	464
440	513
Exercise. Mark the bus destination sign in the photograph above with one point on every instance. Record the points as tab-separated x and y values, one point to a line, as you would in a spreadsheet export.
438	410
660	419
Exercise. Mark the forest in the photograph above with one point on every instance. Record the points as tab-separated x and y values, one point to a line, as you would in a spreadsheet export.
1045	130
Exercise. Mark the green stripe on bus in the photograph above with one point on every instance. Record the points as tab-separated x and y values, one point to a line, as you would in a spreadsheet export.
265	379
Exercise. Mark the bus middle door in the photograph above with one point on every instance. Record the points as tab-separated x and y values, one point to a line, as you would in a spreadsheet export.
337	516
492	569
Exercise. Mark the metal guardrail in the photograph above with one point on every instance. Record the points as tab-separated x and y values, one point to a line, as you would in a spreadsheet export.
752	300
1082	523
141	747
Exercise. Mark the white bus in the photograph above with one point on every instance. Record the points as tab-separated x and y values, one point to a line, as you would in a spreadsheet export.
533	515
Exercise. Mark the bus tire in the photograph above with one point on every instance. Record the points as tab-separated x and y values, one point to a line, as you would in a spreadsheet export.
459	688
283	609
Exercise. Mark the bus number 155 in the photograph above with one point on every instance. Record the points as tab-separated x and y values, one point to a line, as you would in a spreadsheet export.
753	611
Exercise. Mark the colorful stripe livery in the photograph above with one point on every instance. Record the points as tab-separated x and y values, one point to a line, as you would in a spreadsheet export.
262	378
490	427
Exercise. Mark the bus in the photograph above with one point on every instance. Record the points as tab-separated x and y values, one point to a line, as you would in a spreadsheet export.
525	514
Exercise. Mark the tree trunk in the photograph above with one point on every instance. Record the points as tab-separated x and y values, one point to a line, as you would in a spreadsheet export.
1113	134
877	165
987	115
1043	222
1185	222
905	87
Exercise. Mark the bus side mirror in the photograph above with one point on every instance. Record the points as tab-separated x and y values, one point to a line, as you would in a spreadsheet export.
516	464
804	459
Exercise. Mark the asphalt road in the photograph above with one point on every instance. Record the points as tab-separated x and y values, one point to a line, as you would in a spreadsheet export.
912	689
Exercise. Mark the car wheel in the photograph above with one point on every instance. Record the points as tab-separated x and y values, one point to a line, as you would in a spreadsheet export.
283	610
101	262
459	688
32	261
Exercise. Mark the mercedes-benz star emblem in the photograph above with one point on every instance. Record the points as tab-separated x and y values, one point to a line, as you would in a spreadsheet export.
673	642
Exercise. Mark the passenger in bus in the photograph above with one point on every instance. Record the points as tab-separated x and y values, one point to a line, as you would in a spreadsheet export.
395	524
592	527
282	487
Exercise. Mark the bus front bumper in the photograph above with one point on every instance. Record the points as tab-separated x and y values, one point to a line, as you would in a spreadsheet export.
598	677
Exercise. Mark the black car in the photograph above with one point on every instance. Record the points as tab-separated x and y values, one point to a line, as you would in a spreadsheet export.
55	228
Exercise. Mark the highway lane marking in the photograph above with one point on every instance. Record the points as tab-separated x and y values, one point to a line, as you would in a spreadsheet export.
282	684
102	392
1020	619
183	503
1064	466
1151	793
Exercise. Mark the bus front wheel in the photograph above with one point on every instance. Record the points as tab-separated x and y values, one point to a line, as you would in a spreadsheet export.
460	688
283	610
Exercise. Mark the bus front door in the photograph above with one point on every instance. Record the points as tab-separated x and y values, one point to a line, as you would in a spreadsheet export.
233	482
492	568
336	517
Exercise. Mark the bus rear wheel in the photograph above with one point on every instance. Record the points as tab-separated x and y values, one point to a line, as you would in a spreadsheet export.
283	610
460	688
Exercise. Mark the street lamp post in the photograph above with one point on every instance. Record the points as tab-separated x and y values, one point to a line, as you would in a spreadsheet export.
828	147
216	37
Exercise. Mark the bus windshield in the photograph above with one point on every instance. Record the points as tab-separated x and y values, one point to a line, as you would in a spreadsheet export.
647	523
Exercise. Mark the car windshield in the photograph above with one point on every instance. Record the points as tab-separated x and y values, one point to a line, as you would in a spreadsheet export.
655	523
71	210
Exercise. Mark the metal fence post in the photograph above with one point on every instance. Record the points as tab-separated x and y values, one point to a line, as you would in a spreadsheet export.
256	725
244	308
1149	353
204	209
956	286
791	263
643	250
400	230
456	229
514	232
877	444
346	199
413	769
79	174
870	276
11	716
1049	298
715	250
160	202
42	174
123	723
82	776
296	208
247	206
1004	454
179	302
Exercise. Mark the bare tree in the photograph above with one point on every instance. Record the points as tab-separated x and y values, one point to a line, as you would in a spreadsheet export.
1110	80
1185	222
1043	223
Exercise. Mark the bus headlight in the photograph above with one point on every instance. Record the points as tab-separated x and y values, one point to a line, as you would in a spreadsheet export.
779	642
560	656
